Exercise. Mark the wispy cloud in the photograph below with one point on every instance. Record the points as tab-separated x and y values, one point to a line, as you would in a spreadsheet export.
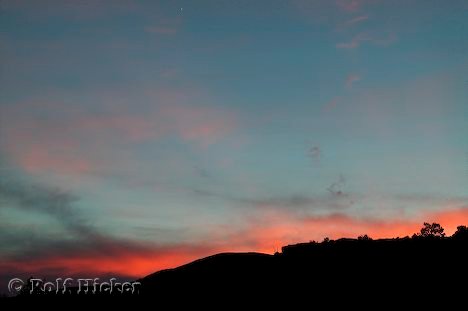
38	250
349	82
387	40
349	5
297	203
331	105
315	153
359	39
275	228
165	26
356	20
355	42
351	79
336	188
71	142
348	24
271	227
163	30
264	234
103	257
54	202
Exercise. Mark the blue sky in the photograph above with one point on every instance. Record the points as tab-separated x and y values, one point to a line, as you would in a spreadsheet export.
183	128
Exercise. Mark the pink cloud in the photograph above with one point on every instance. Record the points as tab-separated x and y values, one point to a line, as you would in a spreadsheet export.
77	141
203	125
362	37
355	42
331	105
356	20
349	5
386	40
351	79
36	158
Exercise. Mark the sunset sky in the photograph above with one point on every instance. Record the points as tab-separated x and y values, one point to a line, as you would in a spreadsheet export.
140	135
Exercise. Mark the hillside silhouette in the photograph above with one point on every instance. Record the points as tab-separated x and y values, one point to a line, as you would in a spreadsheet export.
427	263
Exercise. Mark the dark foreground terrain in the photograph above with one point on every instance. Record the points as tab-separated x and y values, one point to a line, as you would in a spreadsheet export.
428	265
360	267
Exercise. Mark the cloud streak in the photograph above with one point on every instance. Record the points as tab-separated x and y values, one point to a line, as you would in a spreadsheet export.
349	5
357	20
363	37
355	42
37	250
315	153
275	229
351	79
71	142
336	188
51	201
165	26
296	203
97	254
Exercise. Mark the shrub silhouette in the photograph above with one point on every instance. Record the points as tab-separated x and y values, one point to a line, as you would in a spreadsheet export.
461	233
364	237
433	230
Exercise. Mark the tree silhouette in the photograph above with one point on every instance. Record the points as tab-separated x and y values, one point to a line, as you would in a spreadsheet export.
364	237
433	230
461	233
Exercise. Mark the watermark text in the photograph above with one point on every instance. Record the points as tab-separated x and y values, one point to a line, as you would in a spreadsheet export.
72	286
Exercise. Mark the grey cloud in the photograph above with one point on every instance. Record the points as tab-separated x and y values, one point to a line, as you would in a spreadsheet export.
42	199
315	153
336	188
295	202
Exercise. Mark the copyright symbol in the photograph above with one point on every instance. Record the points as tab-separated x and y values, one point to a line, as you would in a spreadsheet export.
15	285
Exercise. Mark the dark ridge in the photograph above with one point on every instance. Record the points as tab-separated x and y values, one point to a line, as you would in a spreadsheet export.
427	264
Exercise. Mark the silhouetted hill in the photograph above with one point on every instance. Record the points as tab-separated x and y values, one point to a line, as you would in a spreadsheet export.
214	275
428	265
347	266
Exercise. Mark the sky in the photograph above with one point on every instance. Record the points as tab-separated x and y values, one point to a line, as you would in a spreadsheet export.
140	135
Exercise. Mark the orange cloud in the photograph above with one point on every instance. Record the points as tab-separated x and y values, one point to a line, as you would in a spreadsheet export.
277	229
131	263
